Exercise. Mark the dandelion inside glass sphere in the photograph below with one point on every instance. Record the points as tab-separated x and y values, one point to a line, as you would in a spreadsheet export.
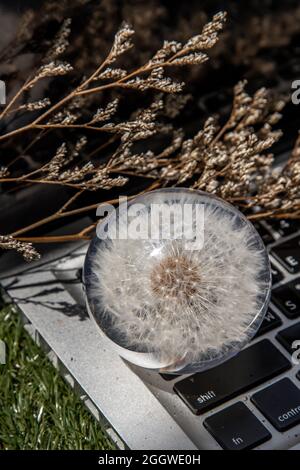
177	280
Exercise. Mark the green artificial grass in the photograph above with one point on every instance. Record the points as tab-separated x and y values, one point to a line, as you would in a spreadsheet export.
38	409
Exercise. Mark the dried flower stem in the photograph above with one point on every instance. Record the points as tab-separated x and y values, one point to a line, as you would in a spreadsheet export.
39	181
82	235
61	213
15	98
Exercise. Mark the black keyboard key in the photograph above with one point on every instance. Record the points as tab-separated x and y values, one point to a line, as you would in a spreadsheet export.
236	428
270	322
277	276
78	274
168	377
280	403
288	254
284	226
287	300
266	236
295	285
249	368
288	337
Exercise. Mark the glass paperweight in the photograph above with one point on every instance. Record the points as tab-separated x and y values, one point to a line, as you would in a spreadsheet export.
177	280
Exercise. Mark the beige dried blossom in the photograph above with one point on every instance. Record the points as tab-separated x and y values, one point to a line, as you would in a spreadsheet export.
52	69
110	73
28	252
103	114
76	174
155	81
280	189
69	113
192	58
209	35
174	104
35	105
4	171
61	41
122	42
142	126
169	48
102	180
56	163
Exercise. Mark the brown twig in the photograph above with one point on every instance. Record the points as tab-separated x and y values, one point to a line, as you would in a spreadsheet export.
82	235
58	214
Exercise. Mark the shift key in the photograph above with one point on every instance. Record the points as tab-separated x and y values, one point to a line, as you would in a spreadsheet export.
251	367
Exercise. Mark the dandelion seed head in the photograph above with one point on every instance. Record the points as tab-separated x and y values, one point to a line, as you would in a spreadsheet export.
178	277
198	304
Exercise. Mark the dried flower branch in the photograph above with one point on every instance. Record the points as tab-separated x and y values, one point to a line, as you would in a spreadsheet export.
223	160
279	193
231	160
28	252
168	56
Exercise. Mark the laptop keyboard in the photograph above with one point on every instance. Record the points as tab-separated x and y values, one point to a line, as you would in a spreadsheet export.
235	426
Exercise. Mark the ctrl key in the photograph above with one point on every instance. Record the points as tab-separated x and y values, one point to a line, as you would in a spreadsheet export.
236	428
280	403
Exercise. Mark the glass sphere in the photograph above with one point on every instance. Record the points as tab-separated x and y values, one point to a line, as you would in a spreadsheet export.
177	280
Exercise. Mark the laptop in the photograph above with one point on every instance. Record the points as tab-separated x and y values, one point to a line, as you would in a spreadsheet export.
251	401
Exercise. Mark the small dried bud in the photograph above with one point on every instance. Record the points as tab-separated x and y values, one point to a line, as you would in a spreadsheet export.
191	59
122	42
36	105
112	73
4	172
60	42
52	69
103	114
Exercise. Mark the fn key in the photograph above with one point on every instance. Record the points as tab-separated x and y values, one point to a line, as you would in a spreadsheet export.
236	428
